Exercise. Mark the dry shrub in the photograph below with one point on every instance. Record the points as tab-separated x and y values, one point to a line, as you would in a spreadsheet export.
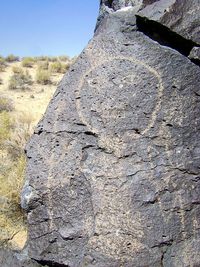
56	67
64	58
20	81
3	64
11	58
13	181
17	70
66	66
12	219
16	143
6	104
43	76
41	58
59	67
2	68
28	62
5	127
44	65
12	169
25	120
53	59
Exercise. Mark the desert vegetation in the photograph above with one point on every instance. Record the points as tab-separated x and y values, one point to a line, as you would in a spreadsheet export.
2	64
20	80
26	86
59	67
13	136
43	76
11	58
28	62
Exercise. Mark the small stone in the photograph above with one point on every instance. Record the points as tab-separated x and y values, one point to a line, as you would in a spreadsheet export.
195	54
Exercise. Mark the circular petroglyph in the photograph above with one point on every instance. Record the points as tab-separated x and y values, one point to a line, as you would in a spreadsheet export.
118	95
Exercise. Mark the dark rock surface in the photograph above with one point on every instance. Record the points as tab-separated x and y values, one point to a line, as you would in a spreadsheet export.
10	258
110	6
180	16
113	175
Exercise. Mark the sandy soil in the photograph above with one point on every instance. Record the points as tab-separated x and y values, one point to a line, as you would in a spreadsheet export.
34	101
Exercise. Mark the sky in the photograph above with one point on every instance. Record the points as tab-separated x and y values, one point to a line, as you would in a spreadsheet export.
46	27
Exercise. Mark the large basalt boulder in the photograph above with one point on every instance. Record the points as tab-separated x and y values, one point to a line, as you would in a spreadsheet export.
181	16
113	175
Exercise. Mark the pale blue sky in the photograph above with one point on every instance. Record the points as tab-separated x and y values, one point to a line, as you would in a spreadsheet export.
46	27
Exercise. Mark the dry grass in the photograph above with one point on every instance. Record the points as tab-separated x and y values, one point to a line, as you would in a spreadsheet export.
13	136
20	80
6	104
44	65
12	58
18	117
59	67
12	220
17	70
28	62
43	76
5	127
11	179
2	64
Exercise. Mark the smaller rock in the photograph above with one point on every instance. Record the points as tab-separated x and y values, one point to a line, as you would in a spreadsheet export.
195	55
29	197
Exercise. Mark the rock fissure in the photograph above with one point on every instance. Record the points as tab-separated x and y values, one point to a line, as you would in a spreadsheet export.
43	235
166	37
51	263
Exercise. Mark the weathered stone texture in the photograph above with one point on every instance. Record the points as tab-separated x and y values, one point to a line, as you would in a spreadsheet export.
195	55
118	4
9	258
113	167
181	16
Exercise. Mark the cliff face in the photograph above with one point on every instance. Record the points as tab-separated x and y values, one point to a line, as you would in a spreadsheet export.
113	167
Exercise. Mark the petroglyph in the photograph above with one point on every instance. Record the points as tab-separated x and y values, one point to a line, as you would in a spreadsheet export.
112	108
52	181
113	236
